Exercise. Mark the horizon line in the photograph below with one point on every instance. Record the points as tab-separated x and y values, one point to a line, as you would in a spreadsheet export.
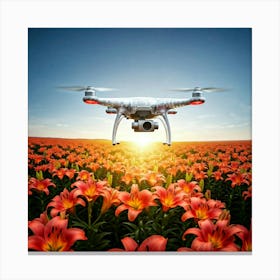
175	141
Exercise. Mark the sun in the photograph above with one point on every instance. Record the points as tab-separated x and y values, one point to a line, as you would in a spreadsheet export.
142	141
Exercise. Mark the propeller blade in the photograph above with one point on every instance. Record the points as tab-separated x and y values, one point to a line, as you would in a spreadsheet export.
213	89
182	89
83	88
206	89
73	88
104	89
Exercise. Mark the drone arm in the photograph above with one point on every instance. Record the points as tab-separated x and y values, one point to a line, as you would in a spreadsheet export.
175	103
118	119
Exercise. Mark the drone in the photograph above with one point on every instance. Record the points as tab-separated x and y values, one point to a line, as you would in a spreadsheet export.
142	110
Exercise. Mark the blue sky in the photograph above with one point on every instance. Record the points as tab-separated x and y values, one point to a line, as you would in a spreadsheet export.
139	62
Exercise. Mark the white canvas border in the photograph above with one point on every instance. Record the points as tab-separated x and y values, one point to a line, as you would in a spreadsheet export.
17	16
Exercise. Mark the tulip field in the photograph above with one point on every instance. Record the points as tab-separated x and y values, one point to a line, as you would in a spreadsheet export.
87	195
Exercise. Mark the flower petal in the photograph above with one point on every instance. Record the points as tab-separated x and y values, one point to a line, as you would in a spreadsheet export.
36	227
120	209
132	214
129	244
35	242
153	243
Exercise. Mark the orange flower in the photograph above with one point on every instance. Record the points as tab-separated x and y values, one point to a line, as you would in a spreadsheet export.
84	175
135	202
248	193
170	197
217	175
213	237
246	236
110	197
64	202
91	189
54	235
237	179
189	188
153	178
61	172
201	209
40	185
127	178
152	243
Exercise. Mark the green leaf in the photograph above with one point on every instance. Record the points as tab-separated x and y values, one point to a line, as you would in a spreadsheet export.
131	225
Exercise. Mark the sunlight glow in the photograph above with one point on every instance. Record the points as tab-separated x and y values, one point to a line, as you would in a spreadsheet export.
142	141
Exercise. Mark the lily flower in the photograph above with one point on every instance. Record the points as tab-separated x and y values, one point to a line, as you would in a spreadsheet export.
110	197
189	188
54	235
247	194
152	243
40	185
246	236
170	197
213	237
153	178
84	175
91	189
237	179
202	209
217	175
64	202
127	178
135	202
61	172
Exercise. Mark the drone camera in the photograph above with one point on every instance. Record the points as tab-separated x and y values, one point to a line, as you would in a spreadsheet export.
144	126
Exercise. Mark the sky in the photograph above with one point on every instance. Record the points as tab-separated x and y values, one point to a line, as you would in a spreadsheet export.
140	62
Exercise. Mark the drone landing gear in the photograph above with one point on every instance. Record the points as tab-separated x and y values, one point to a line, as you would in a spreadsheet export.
118	119
166	144
165	122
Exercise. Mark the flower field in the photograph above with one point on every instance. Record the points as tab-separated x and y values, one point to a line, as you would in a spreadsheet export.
87	195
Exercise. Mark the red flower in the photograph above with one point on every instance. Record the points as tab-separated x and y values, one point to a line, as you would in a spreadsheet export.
84	175
60	173
190	188
127	178
170	197
202	209
152	243
153	178
64	202
248	193
40	185
213	237
53	236
237	179
90	189
135	202
110	197
246	236
217	175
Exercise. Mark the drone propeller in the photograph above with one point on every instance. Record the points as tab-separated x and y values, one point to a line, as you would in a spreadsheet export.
84	88
205	89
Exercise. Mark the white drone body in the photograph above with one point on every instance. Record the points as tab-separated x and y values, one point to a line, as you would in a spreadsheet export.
143	110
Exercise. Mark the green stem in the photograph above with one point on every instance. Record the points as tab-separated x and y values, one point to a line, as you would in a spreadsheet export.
97	219
89	212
